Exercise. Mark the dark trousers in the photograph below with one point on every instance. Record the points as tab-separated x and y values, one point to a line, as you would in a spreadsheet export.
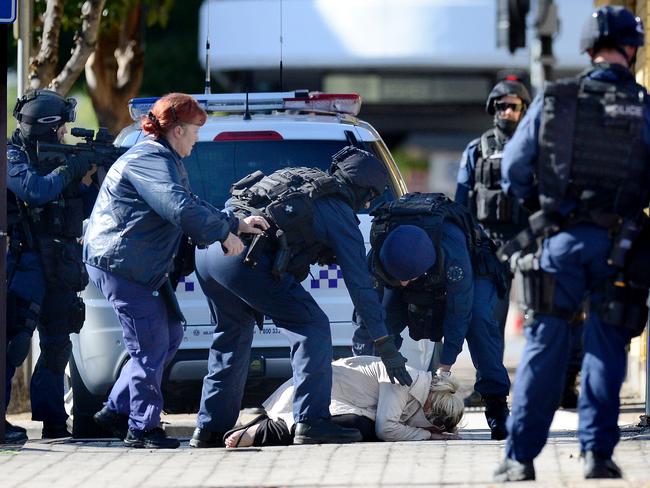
233	290
276	433
577	257
152	334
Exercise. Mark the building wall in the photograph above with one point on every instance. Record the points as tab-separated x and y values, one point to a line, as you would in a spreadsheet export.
638	357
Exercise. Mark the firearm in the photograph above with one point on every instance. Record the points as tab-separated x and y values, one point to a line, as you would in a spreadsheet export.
96	149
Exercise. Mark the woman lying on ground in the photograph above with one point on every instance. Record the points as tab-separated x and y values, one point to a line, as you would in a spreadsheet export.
363	398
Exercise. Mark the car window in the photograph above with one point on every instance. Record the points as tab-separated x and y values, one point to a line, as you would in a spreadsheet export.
214	166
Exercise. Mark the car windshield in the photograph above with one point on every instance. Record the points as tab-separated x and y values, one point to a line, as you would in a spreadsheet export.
214	166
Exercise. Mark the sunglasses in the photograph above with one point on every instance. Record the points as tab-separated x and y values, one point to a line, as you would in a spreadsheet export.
503	106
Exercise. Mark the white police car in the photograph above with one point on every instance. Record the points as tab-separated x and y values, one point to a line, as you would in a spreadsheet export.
243	133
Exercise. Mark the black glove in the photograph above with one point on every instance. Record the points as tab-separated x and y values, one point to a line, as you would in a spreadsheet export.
73	169
395	363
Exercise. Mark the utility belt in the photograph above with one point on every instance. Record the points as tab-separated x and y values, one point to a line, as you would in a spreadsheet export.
494	207
426	311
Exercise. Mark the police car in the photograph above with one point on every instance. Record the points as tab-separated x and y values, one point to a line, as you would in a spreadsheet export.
243	133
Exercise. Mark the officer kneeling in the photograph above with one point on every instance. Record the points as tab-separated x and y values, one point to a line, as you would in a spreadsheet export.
440	278
581	154
312	218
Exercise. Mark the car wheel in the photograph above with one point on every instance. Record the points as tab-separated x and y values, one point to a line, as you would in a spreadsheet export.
83	405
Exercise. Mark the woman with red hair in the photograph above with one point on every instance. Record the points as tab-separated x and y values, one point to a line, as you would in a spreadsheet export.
144	207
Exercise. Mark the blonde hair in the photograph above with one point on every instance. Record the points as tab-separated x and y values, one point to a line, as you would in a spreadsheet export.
447	405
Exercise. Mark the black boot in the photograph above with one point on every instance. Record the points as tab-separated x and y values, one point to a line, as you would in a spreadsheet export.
112	422
14	434
512	470
474	399
324	431
54	430
600	467
150	439
202	438
496	414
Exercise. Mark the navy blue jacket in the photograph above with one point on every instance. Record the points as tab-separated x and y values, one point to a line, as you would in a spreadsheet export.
143	208
336	225
519	161
465	177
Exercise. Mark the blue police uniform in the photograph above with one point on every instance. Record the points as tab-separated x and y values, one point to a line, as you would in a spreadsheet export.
576	257
468	316
30	297
234	289
143	208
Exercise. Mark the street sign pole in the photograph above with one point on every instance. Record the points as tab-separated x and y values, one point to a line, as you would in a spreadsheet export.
7	16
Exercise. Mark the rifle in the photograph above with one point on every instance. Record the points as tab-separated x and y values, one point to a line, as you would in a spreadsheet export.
96	149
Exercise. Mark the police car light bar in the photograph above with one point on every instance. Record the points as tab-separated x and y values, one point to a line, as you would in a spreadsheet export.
299	100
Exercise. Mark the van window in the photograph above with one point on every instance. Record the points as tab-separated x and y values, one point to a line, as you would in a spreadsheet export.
214	166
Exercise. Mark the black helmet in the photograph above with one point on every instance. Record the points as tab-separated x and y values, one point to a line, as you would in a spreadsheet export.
42	112
509	86
363	171
611	26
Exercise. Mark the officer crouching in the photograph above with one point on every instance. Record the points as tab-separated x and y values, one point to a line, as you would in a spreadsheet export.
46	205
439	277
313	220
581	154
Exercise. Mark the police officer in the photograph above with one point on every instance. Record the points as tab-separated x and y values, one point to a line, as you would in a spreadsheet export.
479	178
45	208
585	141
440	278
312	216
143	208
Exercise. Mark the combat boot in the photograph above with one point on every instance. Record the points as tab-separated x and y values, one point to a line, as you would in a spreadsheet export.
14	434
150	439
496	414
324	431
114	423
513	470
54	430
600	467
204	438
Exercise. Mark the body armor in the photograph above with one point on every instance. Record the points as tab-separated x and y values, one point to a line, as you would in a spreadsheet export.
501	216
285	198
592	148
427	296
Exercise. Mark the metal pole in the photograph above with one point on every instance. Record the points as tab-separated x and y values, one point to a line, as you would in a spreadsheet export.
541	50
3	226
24	43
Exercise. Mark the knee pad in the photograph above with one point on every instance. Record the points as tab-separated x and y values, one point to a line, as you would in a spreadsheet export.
22	321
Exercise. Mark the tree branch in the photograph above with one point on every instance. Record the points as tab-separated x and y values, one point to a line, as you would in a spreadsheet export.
84	45
42	67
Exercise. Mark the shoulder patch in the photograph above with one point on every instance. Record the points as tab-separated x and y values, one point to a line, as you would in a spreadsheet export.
455	273
16	169
14	155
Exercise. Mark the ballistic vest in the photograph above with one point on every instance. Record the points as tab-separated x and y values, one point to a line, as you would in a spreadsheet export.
285	198
427	296
592	148
501	216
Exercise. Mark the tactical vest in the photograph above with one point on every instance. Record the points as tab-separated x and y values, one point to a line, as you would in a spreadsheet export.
592	149
427	296
500	215
285	198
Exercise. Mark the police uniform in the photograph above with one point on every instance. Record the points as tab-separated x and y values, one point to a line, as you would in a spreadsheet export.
454	299
240	292
595	128
46	206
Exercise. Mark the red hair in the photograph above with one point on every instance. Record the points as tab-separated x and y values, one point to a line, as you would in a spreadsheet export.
171	110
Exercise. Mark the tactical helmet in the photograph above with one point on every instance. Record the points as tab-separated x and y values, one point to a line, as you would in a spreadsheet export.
611	26
42	112
509	86
362	170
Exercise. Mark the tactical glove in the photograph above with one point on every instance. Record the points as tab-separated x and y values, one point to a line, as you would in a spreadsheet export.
73	169
395	363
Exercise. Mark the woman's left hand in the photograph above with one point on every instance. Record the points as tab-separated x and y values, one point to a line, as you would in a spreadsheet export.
444	436
252	225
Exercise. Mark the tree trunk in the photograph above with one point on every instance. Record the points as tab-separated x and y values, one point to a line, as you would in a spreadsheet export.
114	71
42	67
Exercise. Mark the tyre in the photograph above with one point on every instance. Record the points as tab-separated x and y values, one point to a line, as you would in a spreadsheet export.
84	406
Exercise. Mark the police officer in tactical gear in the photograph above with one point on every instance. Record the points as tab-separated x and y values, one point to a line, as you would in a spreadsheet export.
46	204
479	178
582	152
313	220
438	276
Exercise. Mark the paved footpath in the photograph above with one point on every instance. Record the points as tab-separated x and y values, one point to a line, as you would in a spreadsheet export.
467	462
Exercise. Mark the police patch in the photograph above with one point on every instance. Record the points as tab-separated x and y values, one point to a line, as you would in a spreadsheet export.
13	155
455	273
